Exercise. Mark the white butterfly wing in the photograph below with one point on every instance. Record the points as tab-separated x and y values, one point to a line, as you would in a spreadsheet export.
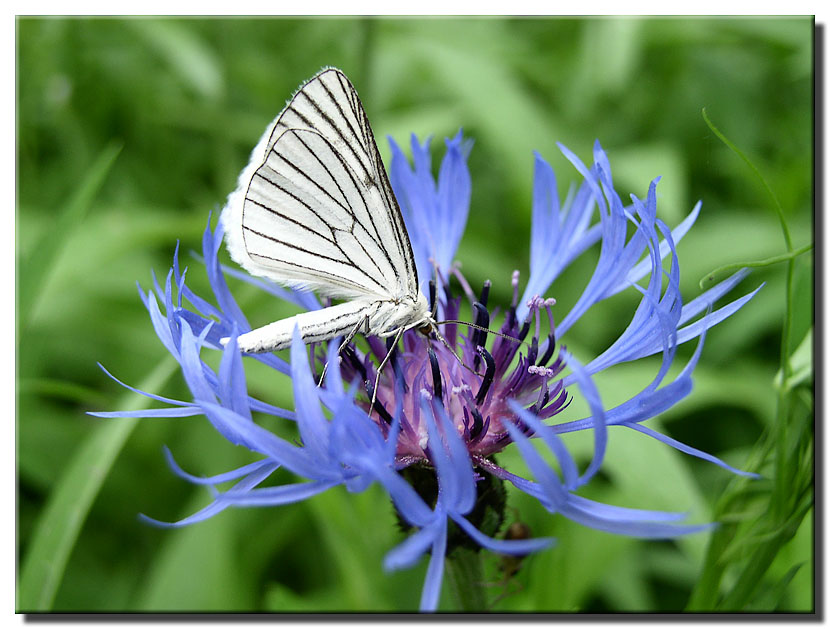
314	208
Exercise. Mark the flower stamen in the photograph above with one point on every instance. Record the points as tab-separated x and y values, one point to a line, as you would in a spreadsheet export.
437	387
489	373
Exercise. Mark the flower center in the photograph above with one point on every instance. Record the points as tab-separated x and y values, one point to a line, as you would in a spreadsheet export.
472	383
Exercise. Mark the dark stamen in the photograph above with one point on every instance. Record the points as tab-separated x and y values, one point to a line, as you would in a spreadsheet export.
479	337
509	319
478	424
533	352
559	404
466	423
484	431
482	320
432	295
378	407
525	329
350	354
485	293
527	430
544	395
392	349
488	374
437	390
549	351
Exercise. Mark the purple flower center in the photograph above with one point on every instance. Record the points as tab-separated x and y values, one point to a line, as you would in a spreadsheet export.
473	383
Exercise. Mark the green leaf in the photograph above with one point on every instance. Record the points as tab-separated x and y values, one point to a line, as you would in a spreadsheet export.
63	516
194	63
801	364
34	268
190	573
769	598
357	558
280	598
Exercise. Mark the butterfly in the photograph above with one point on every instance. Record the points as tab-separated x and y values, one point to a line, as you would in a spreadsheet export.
314	210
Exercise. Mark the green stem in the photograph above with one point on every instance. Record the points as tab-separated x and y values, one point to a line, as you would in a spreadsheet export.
783	518
785	257
778	209
465	577
782	480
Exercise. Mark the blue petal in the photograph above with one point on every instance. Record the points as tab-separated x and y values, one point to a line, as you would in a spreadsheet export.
692	331
435	570
270	409
407	553
558	235
252	480
161	326
709	297
266	466
594	515
186	411
275	496
461	465
454	471
655	318
334	381
210	247
435	216
538	467
407	501
504	546
601	160
570	474
589	513
310	419
690	450
625	513
233	390
193	369
239	431
642	268
614	261
591	395
454	190
152	396
544	237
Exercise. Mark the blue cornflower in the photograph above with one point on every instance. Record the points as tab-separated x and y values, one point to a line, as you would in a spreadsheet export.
431	437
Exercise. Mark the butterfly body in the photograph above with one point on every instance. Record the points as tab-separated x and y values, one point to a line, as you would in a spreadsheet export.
380	318
314	210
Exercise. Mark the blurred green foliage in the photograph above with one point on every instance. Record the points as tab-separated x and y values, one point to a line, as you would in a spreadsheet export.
186	100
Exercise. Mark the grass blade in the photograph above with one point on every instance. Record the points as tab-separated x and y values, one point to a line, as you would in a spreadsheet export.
69	503
34	268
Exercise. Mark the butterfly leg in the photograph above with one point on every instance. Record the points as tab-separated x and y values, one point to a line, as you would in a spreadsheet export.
385	360
365	324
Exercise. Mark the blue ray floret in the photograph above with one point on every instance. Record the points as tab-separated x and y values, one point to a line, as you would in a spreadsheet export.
436	424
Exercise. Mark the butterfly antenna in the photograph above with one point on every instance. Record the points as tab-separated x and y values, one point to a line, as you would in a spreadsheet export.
483	329
446	344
